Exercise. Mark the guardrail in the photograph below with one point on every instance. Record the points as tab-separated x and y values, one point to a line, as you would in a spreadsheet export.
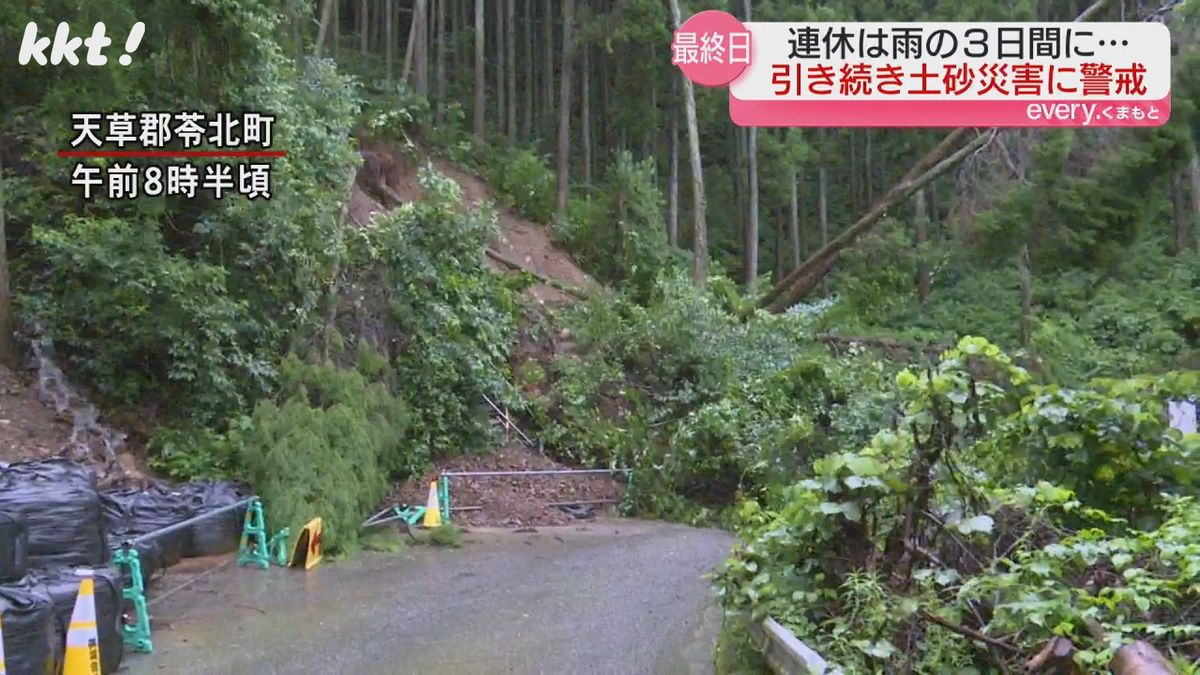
785	653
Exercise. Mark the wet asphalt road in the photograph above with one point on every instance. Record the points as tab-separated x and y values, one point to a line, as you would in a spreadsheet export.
608	598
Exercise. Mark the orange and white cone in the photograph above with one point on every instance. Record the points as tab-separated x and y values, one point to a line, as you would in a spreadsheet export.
433	511
2	670
83	642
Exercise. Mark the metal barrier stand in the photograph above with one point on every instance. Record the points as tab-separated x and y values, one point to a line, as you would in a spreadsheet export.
126	560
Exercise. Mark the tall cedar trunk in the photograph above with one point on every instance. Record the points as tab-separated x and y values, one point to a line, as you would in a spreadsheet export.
751	262
919	214
870	168
1026	320
1194	173
564	112
423	51
1182	221
480	79
323	27
699	227
737	141
510	45
585	112
410	48
530	85
751	257
794	220
389	36
673	186
501	107
8	349
440	17
823	215
548	67
364	26
780	240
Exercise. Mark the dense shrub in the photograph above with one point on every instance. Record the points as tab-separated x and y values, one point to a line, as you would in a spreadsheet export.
324	447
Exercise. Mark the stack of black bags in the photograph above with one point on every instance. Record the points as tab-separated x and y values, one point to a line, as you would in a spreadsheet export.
53	521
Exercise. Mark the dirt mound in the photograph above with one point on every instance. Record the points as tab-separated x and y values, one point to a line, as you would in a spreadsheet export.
390	176
29	429
515	501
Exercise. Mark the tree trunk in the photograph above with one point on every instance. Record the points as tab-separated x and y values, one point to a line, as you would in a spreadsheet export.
823	215
1182	219
548	81
936	162
585	113
780	241
564	113
794	220
673	186
527	124
323	27
510	45
410	47
1026	321
699	227
480	79
364	26
9	354
870	168
501	107
1194	173
440	17
389	36
922	221
751	250
422	19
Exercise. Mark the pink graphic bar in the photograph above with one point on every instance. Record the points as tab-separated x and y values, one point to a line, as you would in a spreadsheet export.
950	113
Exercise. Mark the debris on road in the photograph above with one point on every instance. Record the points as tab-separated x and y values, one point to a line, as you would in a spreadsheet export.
516	501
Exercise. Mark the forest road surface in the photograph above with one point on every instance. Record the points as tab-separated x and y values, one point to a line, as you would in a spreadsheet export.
606	597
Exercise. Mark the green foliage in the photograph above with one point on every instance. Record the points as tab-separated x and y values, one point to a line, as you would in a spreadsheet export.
1109	443
525	180
454	320
325	448
143	324
619	236
931	518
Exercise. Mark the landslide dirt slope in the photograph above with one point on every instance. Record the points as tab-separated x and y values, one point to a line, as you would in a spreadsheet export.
521	240
388	178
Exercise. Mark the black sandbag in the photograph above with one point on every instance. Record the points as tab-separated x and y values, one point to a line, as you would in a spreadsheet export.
221	533
14	548
56	469
31	642
132	513
60	507
62	585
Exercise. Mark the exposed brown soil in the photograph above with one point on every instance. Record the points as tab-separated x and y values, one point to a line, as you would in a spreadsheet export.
513	501
520	239
29	429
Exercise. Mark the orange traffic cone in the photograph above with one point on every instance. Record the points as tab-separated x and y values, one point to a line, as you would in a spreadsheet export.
83	643
2	670
433	511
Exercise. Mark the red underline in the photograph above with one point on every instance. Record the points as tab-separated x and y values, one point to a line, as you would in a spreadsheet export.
171	153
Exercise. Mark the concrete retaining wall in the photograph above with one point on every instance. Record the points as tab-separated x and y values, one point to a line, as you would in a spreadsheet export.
786	654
